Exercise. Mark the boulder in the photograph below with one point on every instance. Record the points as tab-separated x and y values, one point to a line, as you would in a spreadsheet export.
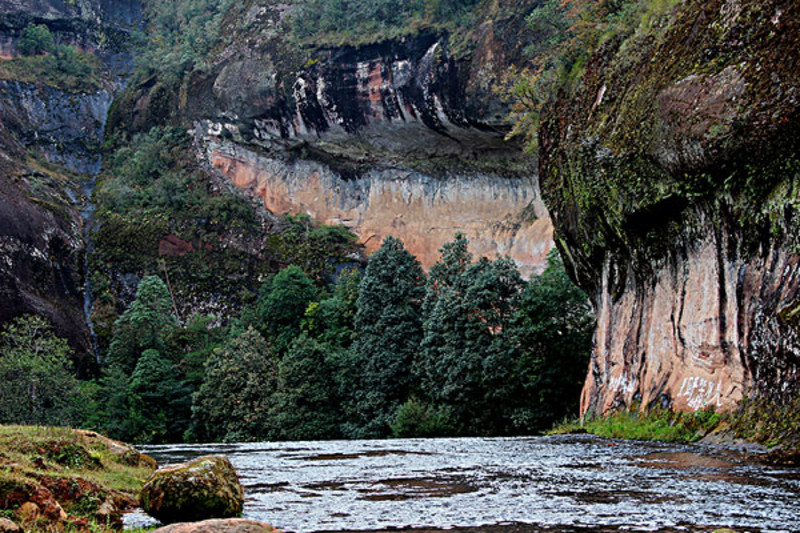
206	487
7	526
231	525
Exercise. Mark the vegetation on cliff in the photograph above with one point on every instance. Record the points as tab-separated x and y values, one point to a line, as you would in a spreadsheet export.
58	65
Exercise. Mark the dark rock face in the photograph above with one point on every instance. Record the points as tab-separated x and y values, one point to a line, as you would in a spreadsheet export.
41	230
66	128
41	251
206	487
671	172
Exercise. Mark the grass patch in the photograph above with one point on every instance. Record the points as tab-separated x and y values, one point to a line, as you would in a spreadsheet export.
655	425
70	70
64	452
92	478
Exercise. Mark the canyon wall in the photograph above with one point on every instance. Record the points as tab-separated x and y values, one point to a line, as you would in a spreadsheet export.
50	139
671	170
402	137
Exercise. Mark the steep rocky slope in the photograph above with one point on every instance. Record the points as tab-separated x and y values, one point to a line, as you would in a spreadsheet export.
671	171
50	139
404	136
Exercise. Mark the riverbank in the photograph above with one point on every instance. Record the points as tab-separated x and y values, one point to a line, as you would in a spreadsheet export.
61	479
758	425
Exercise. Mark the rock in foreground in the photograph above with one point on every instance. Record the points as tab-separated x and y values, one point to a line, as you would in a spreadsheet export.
231	525
206	487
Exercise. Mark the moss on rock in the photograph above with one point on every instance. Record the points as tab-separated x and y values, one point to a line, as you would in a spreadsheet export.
206	487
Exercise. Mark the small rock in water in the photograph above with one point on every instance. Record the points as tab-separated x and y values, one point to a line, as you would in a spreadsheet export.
206	487
231	525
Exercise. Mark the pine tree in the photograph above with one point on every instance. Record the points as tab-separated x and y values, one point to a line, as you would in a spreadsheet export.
305	406
144	325
283	303
159	401
553	330
389	326
467	355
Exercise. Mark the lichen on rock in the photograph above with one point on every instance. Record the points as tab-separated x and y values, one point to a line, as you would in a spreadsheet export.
206	487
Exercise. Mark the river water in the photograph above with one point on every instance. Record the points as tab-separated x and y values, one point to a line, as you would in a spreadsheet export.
553	482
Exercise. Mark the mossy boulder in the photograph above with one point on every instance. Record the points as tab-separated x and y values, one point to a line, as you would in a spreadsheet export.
206	487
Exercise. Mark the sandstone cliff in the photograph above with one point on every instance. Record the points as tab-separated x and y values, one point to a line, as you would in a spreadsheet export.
671	171
403	136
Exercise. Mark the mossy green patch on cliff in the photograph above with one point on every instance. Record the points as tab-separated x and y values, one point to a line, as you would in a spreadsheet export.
67	69
677	113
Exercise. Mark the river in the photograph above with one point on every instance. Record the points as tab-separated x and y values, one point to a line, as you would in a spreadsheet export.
556	482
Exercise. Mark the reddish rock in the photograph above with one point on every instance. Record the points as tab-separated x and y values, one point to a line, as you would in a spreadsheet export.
234	525
499	216
174	245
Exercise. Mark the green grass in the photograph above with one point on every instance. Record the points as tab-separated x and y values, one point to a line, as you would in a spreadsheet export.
69	453
77	72
656	425
103	469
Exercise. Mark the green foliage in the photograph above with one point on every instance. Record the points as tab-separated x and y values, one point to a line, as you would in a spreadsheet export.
567	33
36	382
64	67
159	401
330	321
180	35
418	420
233	402
36	39
315	248
326	19
283	302
553	330
467	352
389	325
769	422
305	405
655	424
144	325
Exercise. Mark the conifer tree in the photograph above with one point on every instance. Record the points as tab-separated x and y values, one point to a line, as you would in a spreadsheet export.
283	303
144	325
467	354
159	401
389	326
305	405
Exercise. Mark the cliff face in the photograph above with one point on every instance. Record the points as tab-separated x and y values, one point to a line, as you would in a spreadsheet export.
43	203
401	137
671	172
499	215
101	25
